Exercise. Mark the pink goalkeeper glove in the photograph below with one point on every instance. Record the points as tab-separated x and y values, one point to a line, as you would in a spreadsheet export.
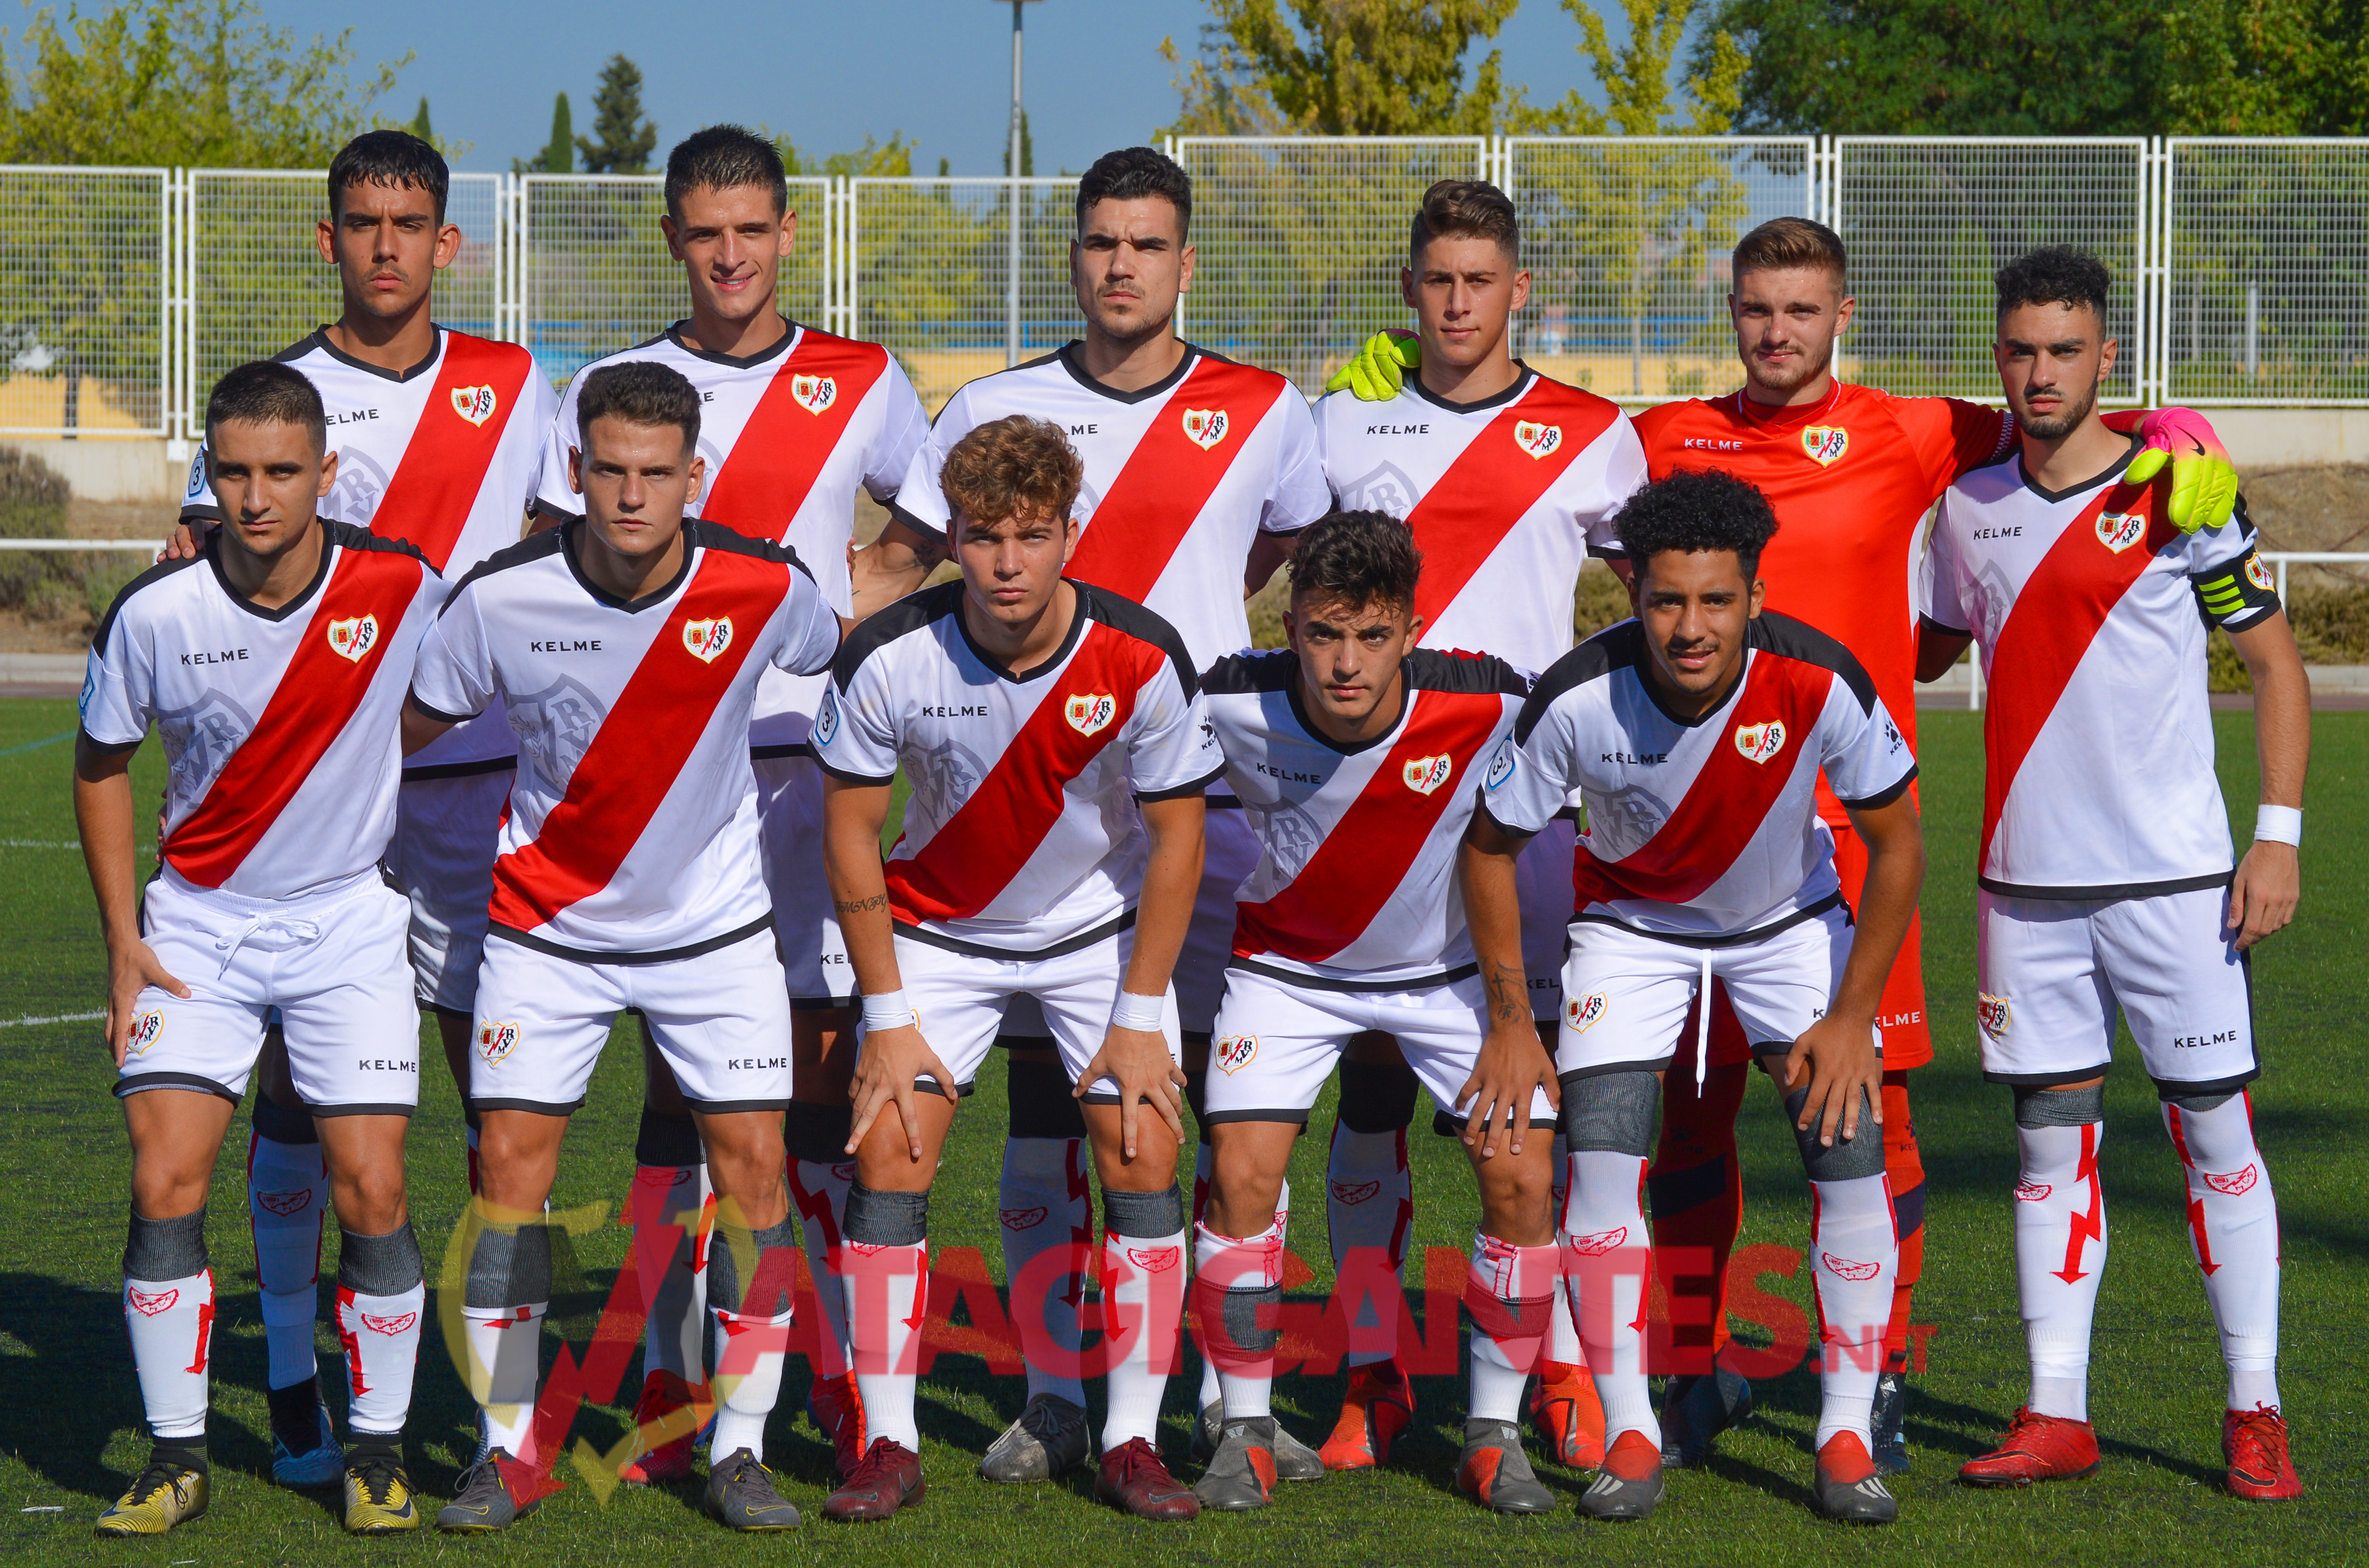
2203	480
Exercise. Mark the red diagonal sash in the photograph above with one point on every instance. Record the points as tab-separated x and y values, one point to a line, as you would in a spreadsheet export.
1336	896
642	745
1491	485
1730	798
991	835
1168	477
429	499
791	433
2056	617
317	696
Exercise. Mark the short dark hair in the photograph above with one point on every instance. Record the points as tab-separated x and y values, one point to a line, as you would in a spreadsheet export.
724	157
1356	559
1783	245
1464	209
1131	174
2054	275
1012	467
265	392
1694	510
640	392
389	157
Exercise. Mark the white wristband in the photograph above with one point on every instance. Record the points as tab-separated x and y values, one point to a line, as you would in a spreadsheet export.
889	1010
1135	1012
2278	824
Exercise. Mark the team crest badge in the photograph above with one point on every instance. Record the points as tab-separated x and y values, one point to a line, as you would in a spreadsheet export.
148	1305
1849	1268
2260	575
2118	531
1538	440
707	639
2233	1185
814	393
1090	713
354	637
1205	427
1603	1241
496	1041
1825	444
1759	742
144	1030
390	1325
1236	1052
475	404
1993	1013
1580	1013
286	1203
1425	774
1023	1218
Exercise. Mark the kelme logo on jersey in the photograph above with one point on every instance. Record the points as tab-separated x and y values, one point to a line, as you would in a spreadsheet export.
1581	1013
1759	742
1236	1052
2118	531
475	404
1993	1013
2259	574
1205	427
1537	439
814	392
496	1041
1425	774
1825	444
1090	713
353	637
707	639
825	724
144	1030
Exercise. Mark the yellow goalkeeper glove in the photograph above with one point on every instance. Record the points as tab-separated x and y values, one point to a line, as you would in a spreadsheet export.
2203	480
1377	371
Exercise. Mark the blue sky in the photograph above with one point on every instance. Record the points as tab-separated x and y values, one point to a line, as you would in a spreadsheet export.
826	74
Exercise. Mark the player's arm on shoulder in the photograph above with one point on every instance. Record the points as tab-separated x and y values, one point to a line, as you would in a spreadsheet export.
1938	648
2203	480
451	677
2269	884
896	564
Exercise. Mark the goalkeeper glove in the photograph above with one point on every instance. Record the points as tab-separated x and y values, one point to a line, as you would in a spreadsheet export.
1377	371
2204	481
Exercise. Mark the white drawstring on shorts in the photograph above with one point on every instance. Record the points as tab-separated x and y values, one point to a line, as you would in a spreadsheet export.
1702	1027
270	932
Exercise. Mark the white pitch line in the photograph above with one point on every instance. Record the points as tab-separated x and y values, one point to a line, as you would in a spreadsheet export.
59	1018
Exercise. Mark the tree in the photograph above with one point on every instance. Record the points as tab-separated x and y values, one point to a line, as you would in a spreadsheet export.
2266	67
1640	98
1027	148
1343	68
419	125
558	154
625	139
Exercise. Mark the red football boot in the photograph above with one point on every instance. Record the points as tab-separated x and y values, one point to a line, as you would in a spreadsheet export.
1570	1417
1377	1407
666	1418
2035	1447
2254	1442
1135	1480
887	1478
837	1410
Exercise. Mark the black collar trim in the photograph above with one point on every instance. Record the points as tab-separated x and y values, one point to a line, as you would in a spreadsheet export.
1082	613
1727	699
1069	355
320	575
320	342
572	542
1352	748
738	362
1521	384
2052	497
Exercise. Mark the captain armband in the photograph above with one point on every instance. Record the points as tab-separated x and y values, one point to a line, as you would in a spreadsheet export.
2238	594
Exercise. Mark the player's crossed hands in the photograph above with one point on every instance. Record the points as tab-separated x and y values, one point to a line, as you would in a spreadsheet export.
888	1072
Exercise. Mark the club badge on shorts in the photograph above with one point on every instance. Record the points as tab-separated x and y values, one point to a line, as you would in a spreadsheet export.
475	404
1425	774
1993	1013
2118	531
814	393
1537	439
1581	1013
707	639
144	1030
1760	742
1825	444
496	1041
1090	713
1236	1052
353	636
1205	427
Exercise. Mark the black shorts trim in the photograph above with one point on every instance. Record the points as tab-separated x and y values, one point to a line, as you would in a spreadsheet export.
2174	1088
363	1110
1225	803
1084	938
538	1107
729	1107
126	1087
1219	1119
929	1086
1322	982
1198	786
1725	939
1658	1064
2108	894
762	924
787	748
1024	1042
461	770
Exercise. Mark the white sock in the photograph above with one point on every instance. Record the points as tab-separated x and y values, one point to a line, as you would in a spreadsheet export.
819	1189
381	1334
287	1197
1142	1282
172	1325
1212	1391
504	1365
1241	1275
1048	1232
750	1350
677	1196
882	1284
1855	1254
1610	1270
2232	1225
1507	1289
1563	1335
1370	1209
2060	1230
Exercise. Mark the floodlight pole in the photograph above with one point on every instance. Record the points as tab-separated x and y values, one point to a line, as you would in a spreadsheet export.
1011	190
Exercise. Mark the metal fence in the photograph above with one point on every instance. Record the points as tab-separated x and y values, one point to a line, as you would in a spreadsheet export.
2242	266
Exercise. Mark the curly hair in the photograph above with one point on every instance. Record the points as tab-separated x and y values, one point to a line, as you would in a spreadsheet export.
1010	467
1356	559
1691	511
2054	275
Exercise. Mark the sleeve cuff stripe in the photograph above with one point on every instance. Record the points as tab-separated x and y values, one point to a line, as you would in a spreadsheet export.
844	776
438	713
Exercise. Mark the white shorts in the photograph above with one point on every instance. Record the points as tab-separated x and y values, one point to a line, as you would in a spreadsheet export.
1542	881
1277	1041
789	829
721	1019
447	832
2052	971
961	999
1626	995
332	967
1230	853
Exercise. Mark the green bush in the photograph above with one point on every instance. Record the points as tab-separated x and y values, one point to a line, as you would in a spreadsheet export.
33	505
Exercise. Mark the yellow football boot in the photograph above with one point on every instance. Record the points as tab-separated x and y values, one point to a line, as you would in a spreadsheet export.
378	1499
169	1492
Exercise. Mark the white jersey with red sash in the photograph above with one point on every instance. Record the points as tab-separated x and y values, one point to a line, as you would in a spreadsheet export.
1706	829
280	726
441	455
632	832
2091	614
1507	498
1180	478
1356	871
788	434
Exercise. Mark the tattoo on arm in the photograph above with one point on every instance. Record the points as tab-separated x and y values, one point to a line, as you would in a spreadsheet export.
1508	996
846	907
